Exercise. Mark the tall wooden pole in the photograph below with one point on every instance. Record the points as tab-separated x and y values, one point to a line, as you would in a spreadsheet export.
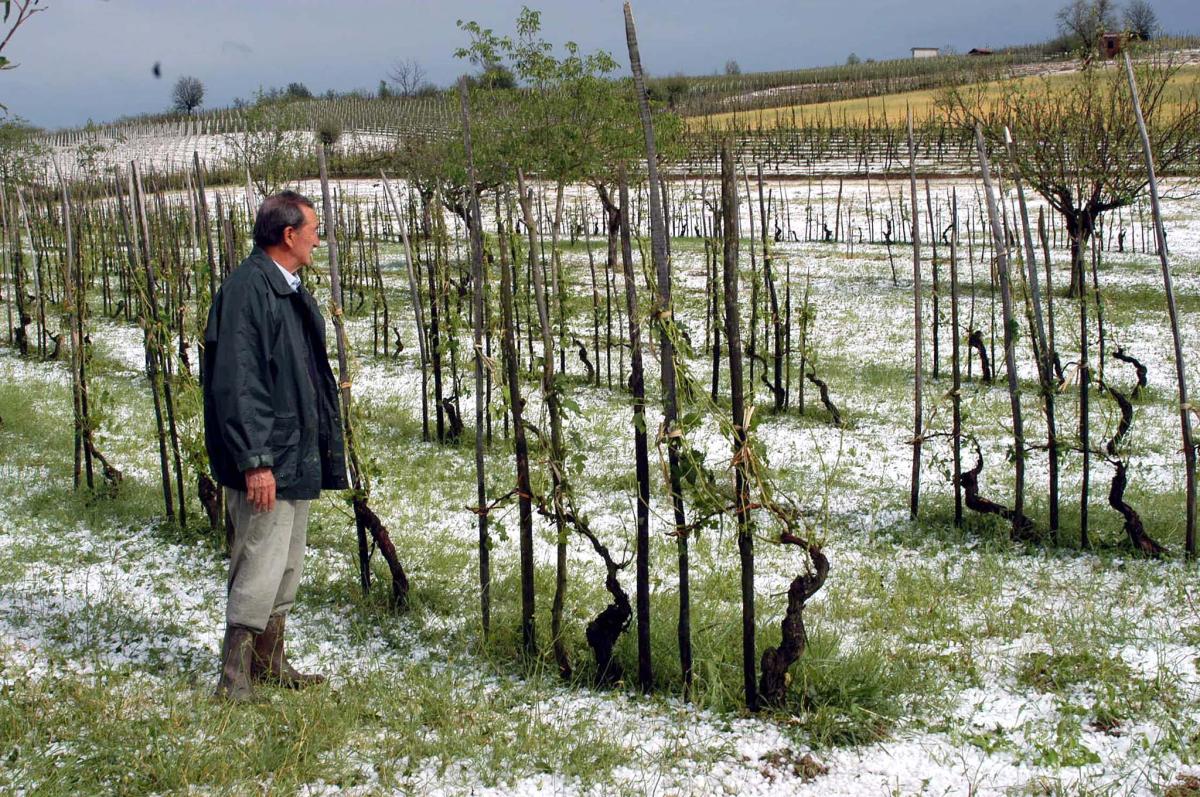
1010	357
733	334
335	287
1041	347
1185	422
637	386
955	361
554	410
662	269
477	298
914	498
414	293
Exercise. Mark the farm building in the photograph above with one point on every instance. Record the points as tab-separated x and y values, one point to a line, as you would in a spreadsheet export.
925	52
1111	44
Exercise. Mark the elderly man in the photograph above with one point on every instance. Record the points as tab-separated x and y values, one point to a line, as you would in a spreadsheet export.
273	435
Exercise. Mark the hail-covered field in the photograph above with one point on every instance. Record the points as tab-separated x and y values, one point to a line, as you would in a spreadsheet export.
940	660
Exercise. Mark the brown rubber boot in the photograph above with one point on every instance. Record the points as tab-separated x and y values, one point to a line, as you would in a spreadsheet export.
270	662
237	654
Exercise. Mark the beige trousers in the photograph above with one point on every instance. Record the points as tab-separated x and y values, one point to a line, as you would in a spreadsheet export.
266	560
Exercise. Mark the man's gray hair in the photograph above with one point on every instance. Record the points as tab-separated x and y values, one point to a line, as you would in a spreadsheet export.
276	214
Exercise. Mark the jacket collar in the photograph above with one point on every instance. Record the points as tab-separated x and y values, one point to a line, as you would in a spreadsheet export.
271	271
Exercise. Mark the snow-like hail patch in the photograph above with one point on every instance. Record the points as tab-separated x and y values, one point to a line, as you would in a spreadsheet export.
136	602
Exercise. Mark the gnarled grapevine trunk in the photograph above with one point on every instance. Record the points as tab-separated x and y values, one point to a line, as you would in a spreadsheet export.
1022	526
1133	525
776	661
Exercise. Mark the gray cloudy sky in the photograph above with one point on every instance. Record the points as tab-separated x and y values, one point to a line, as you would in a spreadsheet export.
92	59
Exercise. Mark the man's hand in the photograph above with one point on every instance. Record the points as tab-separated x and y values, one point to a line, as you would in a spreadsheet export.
260	489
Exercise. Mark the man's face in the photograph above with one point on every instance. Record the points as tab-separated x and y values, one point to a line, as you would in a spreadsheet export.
303	239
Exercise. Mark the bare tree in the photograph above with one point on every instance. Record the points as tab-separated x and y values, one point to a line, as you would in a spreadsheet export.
408	75
732	67
1085	20
1140	20
188	94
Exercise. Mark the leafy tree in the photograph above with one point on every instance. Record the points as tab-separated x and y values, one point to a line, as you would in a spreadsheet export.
671	90
572	121
266	147
25	9
188	94
1085	20
497	76
297	91
1140	20
853	59
20	154
1076	146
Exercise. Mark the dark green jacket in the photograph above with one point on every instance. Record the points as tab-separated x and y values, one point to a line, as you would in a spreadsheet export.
261	405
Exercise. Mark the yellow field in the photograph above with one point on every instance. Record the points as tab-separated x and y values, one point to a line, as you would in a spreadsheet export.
892	106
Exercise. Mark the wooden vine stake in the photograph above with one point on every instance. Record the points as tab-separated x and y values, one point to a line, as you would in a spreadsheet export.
477	299
1019	530
662	313
73	306
415	294
914	498
365	519
637	386
516	406
153	338
554	410
741	464
1041	344
210	495
1185	408
955	362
